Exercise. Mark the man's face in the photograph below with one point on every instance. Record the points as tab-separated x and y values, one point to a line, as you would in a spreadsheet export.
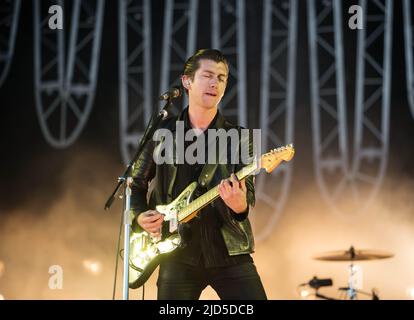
209	84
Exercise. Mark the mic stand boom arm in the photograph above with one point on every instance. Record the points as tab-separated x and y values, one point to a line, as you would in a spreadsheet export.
126	180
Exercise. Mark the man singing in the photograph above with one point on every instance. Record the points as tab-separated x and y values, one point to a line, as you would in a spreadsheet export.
219	241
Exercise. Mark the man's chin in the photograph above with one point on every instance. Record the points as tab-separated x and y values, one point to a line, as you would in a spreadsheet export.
212	103
209	106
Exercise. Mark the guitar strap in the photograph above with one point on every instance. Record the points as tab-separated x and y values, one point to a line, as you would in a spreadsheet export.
207	174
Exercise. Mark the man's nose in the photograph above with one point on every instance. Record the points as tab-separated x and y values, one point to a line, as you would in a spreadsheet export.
213	82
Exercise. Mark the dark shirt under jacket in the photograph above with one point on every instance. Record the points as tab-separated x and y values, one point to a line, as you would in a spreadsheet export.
204	242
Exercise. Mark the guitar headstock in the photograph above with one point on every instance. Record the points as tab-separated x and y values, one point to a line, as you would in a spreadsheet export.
269	161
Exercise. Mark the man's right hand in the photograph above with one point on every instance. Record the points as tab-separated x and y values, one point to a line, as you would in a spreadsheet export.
151	222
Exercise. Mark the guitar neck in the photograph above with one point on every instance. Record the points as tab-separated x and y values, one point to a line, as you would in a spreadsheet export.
212	194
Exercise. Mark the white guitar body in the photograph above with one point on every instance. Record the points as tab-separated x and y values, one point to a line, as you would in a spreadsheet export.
146	251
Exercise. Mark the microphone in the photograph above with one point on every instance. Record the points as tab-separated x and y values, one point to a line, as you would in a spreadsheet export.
317	283
175	92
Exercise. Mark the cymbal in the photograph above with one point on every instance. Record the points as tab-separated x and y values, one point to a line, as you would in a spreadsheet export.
353	255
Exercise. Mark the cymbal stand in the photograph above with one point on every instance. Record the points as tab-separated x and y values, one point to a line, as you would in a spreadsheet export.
351	290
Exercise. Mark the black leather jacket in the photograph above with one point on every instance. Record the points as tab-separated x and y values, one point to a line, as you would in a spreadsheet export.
153	185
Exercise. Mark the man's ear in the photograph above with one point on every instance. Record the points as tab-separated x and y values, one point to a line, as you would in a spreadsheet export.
186	82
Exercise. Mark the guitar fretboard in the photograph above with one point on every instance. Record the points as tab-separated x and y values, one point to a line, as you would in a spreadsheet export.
212	194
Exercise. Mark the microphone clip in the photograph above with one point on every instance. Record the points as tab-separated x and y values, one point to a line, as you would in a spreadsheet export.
173	93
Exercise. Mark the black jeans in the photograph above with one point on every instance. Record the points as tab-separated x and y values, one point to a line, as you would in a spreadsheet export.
178	281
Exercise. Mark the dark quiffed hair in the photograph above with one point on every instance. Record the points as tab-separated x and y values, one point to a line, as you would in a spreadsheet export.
193	63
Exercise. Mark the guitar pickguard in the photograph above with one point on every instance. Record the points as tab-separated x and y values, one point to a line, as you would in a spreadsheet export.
171	210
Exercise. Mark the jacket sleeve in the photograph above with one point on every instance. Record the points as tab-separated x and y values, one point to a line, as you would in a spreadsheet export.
251	199
143	171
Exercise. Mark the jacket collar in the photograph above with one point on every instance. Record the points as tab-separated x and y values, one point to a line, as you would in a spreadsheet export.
216	123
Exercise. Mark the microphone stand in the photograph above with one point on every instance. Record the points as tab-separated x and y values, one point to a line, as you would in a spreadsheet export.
126	180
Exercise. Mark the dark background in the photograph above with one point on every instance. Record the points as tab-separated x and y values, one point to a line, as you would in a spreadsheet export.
30	167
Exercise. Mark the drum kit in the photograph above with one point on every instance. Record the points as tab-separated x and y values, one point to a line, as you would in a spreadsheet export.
350	255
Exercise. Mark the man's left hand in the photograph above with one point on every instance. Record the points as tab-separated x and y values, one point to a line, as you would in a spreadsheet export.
234	194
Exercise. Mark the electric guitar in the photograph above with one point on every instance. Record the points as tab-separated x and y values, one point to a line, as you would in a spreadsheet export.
146	251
